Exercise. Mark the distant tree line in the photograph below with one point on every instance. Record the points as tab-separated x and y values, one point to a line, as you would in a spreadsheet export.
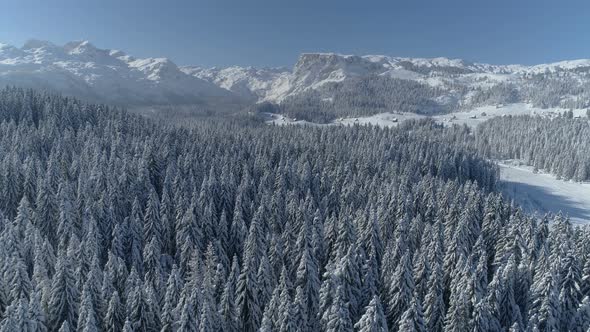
560	145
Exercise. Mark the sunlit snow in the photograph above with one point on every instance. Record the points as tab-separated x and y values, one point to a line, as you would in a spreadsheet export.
542	193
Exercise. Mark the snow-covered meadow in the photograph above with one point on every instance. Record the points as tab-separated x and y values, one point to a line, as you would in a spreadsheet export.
470	118
541	193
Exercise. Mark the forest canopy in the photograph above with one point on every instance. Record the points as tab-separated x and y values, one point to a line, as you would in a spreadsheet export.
110	221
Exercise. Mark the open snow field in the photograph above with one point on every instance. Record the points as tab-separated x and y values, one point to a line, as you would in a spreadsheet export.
541	193
470	118
480	114
382	119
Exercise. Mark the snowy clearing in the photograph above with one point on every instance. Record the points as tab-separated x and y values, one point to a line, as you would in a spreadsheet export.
480	114
470	118
542	193
383	119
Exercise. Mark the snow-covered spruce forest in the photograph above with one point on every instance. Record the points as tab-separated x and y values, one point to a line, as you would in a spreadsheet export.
560	146
113	222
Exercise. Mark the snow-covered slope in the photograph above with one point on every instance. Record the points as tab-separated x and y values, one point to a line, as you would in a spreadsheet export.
247	82
82	70
542	193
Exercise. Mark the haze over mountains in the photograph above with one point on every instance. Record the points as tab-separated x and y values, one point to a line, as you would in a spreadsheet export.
327	83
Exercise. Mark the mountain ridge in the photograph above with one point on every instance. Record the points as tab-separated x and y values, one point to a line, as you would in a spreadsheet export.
83	70
338	83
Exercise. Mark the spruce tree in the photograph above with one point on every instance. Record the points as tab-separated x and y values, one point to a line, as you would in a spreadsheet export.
412	319
339	316
373	319
115	316
400	291
63	300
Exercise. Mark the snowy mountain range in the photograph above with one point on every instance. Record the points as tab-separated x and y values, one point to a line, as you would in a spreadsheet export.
328	81
80	69
315	71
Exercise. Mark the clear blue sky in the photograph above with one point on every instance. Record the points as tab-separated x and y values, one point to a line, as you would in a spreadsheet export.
275	32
